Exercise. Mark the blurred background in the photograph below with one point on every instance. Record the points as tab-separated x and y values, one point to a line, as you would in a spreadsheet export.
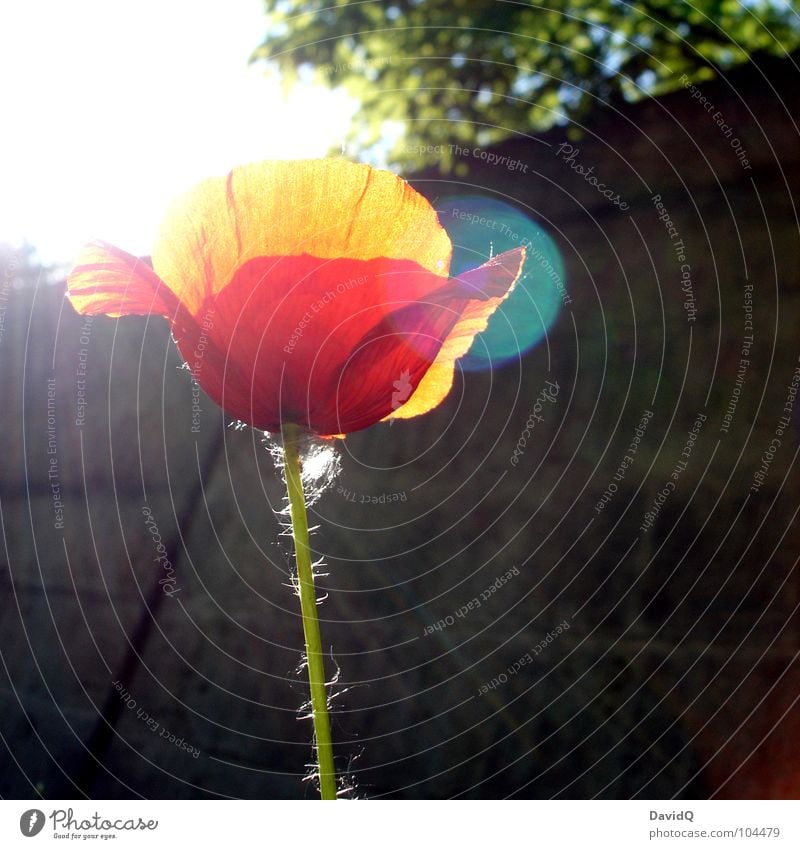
576	578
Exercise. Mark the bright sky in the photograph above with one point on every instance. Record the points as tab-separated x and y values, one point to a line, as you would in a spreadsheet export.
110	108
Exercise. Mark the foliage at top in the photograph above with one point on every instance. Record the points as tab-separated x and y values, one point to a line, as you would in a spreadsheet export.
441	72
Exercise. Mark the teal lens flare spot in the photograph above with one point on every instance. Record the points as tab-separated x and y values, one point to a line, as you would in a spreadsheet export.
481	227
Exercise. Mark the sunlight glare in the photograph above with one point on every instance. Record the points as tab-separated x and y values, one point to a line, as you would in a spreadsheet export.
112	109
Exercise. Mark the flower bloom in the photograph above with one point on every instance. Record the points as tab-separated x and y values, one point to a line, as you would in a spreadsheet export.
313	292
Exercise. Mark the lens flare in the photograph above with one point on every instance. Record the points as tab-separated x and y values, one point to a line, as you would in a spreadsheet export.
479	227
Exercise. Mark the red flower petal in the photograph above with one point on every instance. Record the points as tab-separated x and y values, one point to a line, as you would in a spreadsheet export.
271	346
109	281
308	292
487	287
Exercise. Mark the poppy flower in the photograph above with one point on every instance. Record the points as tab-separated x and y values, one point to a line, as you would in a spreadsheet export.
311	292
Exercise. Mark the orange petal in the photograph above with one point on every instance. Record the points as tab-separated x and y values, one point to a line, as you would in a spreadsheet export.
328	208
492	283
109	281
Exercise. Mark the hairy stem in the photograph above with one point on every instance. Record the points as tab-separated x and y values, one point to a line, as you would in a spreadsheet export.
308	607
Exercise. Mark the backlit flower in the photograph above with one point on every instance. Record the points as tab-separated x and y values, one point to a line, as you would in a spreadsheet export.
312	292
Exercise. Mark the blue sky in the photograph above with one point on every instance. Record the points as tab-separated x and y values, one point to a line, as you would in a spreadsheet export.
109	109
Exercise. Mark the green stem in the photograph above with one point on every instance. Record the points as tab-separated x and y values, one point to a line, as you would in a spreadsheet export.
308	607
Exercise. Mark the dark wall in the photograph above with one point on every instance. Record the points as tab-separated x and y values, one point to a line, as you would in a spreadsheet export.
676	675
